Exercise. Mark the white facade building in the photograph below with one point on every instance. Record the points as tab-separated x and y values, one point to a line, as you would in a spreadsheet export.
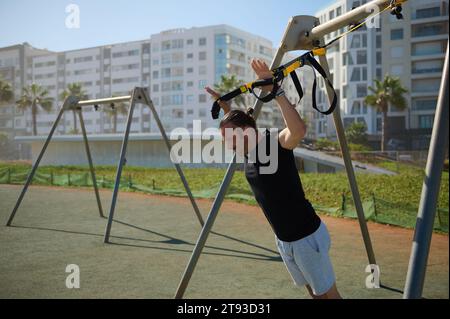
412	49
174	66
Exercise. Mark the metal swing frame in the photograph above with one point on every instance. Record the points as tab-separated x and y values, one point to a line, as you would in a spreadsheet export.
138	96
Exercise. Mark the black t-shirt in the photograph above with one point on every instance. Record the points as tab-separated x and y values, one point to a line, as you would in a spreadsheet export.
281	194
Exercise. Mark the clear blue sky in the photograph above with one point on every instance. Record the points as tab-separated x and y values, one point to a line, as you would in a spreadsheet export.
42	22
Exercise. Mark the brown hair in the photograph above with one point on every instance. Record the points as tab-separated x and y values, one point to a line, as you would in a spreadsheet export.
239	119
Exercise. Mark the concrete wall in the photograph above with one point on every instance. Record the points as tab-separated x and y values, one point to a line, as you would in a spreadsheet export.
143	153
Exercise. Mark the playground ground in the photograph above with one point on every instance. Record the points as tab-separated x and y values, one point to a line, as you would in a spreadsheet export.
152	239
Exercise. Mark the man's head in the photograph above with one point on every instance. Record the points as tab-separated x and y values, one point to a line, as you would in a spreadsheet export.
237	128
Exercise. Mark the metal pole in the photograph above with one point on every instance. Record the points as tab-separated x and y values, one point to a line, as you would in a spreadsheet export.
430	193
340	132
218	202
349	17
150	104
91	165
120	167
36	164
104	101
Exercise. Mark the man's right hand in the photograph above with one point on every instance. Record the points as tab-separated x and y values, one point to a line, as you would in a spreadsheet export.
224	105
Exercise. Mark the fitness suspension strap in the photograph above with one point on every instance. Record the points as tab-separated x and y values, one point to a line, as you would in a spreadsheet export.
279	75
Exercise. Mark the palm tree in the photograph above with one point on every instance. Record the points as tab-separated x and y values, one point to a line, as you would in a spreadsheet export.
228	84
387	92
34	96
74	89
6	92
114	110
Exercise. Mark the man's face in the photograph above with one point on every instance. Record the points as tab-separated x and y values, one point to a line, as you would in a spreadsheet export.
237	139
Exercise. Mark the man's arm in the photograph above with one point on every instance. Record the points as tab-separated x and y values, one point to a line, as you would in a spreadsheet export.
224	105
295	129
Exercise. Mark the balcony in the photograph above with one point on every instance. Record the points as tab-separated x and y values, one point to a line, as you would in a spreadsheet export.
429	14
426	71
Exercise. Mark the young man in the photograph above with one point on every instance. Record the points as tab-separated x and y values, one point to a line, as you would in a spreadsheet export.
302	238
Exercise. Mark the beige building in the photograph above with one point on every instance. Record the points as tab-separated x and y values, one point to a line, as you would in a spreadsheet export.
414	49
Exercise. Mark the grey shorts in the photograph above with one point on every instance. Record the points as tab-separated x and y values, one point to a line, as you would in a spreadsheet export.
308	261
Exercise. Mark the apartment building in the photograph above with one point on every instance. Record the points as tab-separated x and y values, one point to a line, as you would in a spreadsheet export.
174	65
412	49
354	62
14	61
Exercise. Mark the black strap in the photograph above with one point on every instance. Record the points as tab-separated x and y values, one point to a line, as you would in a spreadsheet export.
298	85
316	66
229	96
269	97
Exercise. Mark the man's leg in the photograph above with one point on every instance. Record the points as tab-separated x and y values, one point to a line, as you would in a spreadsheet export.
333	293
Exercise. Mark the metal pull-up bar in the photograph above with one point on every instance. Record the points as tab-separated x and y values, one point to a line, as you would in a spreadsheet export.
353	16
105	101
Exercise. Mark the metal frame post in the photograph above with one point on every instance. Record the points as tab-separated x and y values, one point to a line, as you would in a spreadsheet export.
150	104
71	103
34	169
140	95
201	242
91	165
430	193
120	166
340	132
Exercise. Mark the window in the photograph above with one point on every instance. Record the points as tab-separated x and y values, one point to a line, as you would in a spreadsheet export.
190	70
429	29
202	84
155	74
356	75
331	15
356	41
165	73
202	98
190	84
155	88
378	58
177	44
356	108
361	90
189	99
364	73
427	13
202	56
202	113
364	40
190	56
190	42
202	41
426	121
397	34
347	59
424	105
361	57
378	41
428	48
